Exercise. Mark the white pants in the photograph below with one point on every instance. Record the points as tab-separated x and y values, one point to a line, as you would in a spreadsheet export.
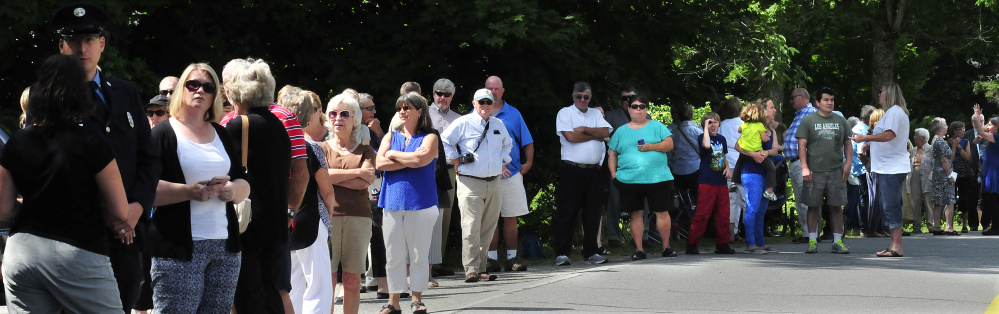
407	235
312	277
736	204
794	171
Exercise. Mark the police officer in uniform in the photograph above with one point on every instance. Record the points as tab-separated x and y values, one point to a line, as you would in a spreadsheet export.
119	115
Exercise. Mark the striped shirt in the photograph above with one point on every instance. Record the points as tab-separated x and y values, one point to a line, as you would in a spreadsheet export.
791	142
290	122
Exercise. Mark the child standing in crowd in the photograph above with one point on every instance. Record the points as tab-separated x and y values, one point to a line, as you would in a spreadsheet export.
712	188
752	117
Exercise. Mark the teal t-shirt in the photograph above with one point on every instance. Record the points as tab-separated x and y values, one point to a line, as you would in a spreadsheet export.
637	167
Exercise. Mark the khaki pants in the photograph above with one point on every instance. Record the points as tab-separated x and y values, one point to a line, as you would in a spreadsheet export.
479	201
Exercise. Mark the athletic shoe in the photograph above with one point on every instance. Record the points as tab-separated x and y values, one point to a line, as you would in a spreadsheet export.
492	266
514	264
839	248
692	248
596	259
811	247
724	249
562	260
770	195
668	252
638	255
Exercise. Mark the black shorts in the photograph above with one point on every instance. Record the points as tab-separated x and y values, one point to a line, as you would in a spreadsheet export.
633	196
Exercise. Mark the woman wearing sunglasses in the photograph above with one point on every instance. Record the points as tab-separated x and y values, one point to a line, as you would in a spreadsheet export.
409	199
351	169
194	237
638	165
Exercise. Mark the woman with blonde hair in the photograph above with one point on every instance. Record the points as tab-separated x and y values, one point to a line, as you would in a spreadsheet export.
889	160
194	237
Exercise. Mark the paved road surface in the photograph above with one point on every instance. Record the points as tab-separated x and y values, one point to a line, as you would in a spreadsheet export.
937	275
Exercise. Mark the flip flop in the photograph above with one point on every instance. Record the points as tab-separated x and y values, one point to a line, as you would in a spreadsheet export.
756	251
770	249
888	253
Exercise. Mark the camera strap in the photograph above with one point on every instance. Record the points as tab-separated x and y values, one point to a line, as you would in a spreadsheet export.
482	137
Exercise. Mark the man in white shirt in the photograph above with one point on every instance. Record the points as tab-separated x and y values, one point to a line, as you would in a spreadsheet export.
582	187
729	128
441	116
478	146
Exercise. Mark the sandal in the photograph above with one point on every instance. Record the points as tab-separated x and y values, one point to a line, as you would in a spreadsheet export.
756	251
487	276
433	284
770	249
471	277
888	253
389	309
951	233
416	305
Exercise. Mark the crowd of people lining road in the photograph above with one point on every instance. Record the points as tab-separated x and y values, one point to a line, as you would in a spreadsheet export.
228	198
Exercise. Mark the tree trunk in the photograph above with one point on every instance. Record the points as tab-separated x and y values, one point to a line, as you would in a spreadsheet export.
883	60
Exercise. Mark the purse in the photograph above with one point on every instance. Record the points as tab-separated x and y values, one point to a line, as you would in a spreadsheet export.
244	212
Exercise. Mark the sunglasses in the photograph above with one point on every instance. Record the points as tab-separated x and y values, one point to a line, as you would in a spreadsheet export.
628	98
485	102
638	106
443	94
369	108
158	113
403	108
343	114
166	92
583	97
192	86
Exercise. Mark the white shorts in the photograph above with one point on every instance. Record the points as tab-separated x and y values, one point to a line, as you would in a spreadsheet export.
514	196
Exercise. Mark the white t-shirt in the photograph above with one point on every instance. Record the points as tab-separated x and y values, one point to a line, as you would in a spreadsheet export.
589	152
891	157
203	162
729	128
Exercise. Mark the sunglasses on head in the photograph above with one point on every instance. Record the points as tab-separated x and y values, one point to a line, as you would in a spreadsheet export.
192	86
583	97
443	94
342	114
158	113
166	92
403	108
485	102
638	106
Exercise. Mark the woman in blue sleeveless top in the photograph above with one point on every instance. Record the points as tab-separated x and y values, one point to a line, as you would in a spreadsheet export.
753	184
409	197
990	171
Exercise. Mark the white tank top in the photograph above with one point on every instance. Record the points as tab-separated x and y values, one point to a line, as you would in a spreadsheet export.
203	162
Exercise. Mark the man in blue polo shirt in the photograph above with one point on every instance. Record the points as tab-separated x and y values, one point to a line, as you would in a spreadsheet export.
512	184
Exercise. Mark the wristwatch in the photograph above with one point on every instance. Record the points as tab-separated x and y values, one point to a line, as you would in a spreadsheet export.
291	213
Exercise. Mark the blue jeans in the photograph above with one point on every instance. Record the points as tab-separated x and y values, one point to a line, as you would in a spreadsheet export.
756	208
890	193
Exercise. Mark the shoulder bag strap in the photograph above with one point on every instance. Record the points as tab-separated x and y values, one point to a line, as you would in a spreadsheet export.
246	134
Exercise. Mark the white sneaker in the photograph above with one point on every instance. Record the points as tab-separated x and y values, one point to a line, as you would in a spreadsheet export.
562	260
770	195
596	259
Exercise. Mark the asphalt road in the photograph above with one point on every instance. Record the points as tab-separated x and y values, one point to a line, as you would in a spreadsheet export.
937	275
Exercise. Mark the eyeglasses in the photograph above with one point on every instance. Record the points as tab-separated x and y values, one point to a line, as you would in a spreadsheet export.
369	108
158	113
166	92
638	106
485	102
443	94
628	98
192	86
582	97
343	114
403	108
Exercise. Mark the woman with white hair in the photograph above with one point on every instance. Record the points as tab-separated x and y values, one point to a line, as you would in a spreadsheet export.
250	88
409	199
351	169
918	184
942	195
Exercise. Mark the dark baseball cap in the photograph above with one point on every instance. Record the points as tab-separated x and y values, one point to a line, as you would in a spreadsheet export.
159	100
80	19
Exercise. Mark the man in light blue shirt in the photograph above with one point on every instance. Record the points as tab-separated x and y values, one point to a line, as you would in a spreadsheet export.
512	180
479	147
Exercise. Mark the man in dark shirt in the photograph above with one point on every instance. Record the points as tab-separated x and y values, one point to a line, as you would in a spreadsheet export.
118	115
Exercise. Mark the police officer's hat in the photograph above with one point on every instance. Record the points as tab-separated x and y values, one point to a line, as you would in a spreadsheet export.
80	18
